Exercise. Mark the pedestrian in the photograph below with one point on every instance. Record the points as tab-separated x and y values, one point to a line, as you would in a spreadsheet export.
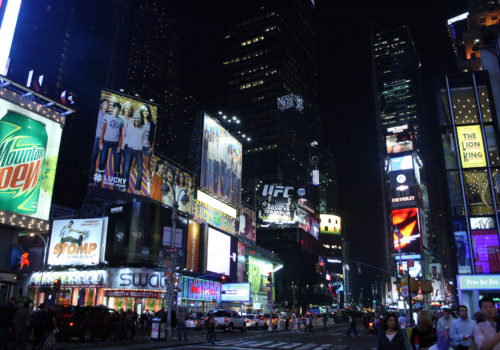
181	326
423	335
325	320
403	321
486	334
44	322
22	324
309	323
391	337
7	312
296	326
352	327
287	321
461	329
211	329
444	322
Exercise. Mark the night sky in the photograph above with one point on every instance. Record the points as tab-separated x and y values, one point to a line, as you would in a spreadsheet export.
345	88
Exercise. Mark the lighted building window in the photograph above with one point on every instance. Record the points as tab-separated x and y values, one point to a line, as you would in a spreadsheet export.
478	192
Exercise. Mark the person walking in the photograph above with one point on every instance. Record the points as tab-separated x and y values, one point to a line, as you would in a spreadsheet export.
325	320
391	337
181	326
461	329
423	335
486	334
444	322
352	327
22	324
211	329
7	311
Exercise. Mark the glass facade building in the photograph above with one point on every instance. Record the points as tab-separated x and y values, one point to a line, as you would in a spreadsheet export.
469	134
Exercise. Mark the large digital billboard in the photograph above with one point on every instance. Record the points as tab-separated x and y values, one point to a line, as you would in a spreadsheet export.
123	144
400	142
471	146
258	274
221	162
200	289
407	222
403	188
402	163
330	224
247	223
193	246
486	251
77	241
463	252
235	292
29	148
218	252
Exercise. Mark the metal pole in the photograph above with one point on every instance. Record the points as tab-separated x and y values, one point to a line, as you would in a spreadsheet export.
169	292
401	262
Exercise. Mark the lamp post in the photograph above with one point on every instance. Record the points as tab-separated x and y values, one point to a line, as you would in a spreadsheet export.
294	286
408	278
170	286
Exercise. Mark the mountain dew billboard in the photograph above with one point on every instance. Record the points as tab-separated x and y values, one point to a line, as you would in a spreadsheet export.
29	148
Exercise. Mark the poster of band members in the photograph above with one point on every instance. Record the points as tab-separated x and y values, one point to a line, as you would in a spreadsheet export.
221	161
76	241
407	222
123	144
247	223
437	282
170	184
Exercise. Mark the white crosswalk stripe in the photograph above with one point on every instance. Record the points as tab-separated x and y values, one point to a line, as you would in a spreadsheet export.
258	344
290	346
307	346
275	345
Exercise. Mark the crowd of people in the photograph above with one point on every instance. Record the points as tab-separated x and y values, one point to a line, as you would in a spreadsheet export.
441	331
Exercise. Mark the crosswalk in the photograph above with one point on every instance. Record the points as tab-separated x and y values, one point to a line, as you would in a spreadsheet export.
245	344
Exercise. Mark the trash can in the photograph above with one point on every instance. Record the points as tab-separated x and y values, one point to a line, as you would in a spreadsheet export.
158	329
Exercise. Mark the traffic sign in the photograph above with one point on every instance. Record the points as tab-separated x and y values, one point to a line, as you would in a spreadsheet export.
404	291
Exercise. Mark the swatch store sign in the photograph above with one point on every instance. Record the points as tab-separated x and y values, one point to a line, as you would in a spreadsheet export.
135	278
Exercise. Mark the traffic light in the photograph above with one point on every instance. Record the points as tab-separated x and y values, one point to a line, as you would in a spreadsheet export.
318	267
270	277
322	265
223	279
57	285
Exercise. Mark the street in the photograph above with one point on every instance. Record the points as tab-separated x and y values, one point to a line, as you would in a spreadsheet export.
333	338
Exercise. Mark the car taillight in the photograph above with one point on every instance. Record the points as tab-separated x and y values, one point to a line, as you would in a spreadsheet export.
195	321
71	324
225	320
371	324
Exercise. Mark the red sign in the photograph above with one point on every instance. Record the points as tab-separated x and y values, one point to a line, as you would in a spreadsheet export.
123	293
24	260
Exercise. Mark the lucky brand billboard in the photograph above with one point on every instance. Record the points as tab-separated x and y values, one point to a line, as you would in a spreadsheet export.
29	148
407	221
221	161
76	241
123	144
470	142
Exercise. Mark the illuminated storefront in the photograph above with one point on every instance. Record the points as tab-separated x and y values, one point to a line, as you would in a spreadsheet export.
469	144
200	295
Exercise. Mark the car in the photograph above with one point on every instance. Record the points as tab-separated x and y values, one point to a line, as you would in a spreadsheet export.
84	323
228	320
254	321
195	323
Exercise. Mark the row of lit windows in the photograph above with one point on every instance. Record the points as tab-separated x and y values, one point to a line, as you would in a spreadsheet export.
251	41
252	84
246	57
261	149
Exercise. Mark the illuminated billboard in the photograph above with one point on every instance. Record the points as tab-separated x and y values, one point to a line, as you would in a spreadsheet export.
247	223
221	161
485	247
29	148
463	252
330	224
407	222
219	252
193	246
401	142
77	241
235	292
402	163
403	188
415	270
123	144
9	13
258	274
470	142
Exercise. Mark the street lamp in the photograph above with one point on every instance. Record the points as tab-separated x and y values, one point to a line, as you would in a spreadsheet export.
408	277
181	196
45	246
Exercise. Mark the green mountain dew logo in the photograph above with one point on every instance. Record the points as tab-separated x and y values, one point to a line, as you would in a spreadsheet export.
20	165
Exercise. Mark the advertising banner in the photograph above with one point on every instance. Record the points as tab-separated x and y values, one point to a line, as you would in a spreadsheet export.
170	184
258	271
284	206
29	148
470	142
330	224
135	278
221	161
193	246
83	279
123	144
213	217
486	251
482	223
402	163
242	262
437	282
200	289
235	292
247	223
401	142
219	252
415	268
407	221
403	188
76	241
463	252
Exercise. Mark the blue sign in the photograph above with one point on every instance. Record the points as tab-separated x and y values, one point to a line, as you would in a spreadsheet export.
200	289
479	282
235	292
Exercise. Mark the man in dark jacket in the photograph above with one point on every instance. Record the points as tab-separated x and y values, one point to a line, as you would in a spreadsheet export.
7	311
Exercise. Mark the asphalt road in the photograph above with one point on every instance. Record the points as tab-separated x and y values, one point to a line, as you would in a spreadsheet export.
333	338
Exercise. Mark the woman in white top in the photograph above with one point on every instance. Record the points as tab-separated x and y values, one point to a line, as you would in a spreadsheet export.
133	140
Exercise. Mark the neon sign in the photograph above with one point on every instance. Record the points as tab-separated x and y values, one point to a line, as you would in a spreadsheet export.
200	289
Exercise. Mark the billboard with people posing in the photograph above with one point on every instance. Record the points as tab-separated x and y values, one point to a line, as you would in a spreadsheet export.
123	144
